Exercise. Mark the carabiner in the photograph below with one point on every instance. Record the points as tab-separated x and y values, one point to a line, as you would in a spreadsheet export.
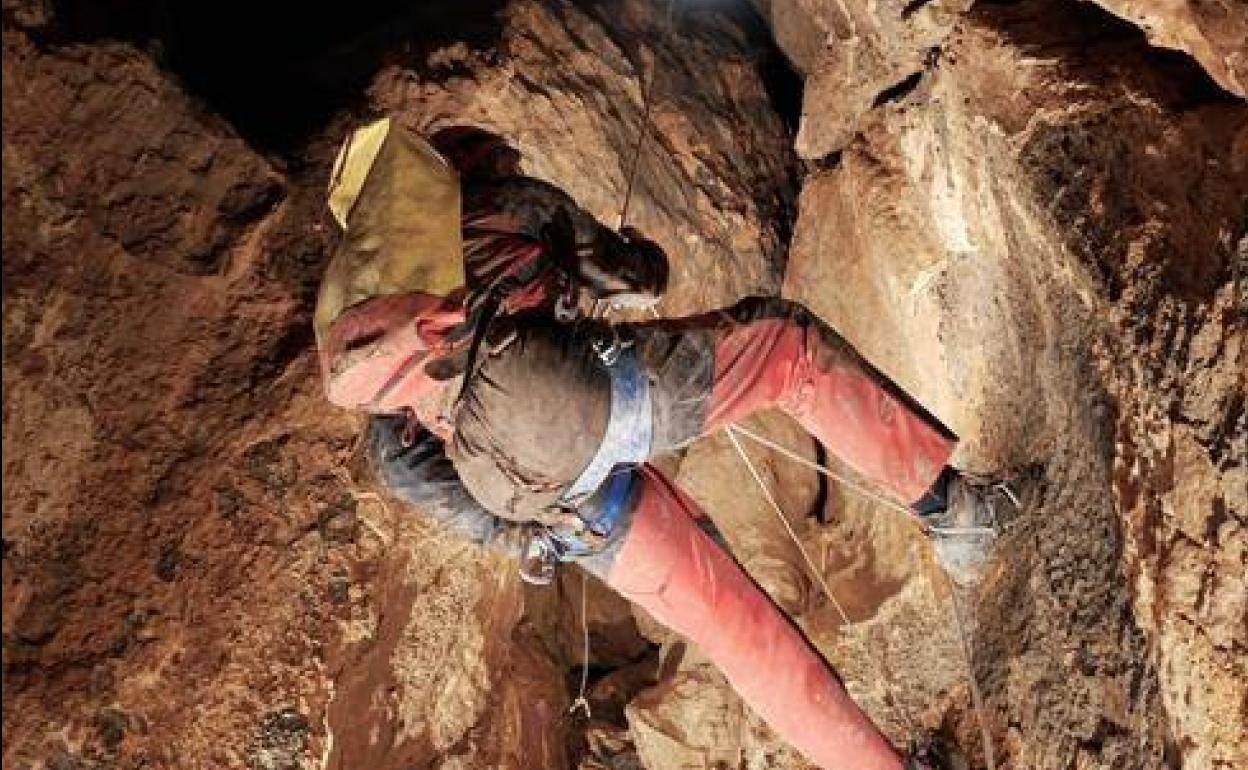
539	558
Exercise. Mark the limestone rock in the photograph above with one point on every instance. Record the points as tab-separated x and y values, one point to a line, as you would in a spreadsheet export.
1023	212
856	56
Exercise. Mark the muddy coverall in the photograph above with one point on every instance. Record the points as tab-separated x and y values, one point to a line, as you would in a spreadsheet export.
511	427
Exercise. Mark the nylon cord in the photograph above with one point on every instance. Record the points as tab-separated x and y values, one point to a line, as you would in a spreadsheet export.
581	701
732	430
818	468
963	642
818	574
647	99
977	700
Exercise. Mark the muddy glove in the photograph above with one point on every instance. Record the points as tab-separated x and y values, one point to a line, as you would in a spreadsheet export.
623	269
642	267
412	463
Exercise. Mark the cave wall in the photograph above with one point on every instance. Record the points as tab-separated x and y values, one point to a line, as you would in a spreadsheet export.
1041	237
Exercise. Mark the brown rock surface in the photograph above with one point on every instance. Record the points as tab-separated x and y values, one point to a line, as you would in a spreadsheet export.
1214	33
856	55
196	571
712	187
1040	242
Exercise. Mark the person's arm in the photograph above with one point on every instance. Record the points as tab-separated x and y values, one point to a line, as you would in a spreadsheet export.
624	268
418	471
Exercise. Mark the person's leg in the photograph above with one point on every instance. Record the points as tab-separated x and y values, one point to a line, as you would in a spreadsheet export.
665	563
714	370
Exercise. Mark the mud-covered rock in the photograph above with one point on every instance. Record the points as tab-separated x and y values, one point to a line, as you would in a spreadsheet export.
1025	213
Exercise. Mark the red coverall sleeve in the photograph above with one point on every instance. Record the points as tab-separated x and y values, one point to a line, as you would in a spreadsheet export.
670	567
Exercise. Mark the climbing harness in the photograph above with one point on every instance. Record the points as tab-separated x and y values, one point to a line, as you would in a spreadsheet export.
630	425
539	556
609	351
592	526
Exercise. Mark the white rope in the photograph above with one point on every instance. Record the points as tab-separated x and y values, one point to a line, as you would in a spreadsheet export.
581	701
647	98
977	700
818	468
818	574
963	642
732	430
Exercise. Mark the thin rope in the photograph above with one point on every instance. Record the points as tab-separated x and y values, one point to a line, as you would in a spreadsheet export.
818	574
963	642
581	701
819	468
977	700
732	430
647	100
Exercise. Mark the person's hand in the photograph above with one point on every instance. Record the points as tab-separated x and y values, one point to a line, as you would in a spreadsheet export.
625	269
636	269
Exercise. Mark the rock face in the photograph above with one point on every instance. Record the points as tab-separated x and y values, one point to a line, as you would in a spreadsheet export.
172	529
1030	217
856	56
1041	239
713	186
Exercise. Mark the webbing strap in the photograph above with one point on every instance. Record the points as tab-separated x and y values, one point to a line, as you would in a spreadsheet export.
630	428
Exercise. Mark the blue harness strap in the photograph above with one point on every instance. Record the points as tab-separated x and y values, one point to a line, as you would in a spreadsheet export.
602	494
630	428
602	515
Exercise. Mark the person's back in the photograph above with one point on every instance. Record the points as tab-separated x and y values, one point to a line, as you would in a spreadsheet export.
502	410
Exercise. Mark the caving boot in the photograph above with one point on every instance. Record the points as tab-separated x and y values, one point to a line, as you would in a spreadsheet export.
974	512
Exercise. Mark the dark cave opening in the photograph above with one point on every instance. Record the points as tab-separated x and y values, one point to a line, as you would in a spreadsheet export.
277	71
1056	24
